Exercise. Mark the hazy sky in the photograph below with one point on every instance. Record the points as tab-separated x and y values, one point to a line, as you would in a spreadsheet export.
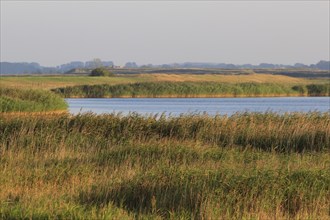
56	32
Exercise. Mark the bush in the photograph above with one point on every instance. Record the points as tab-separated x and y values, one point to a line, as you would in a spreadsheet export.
100	72
318	90
301	89
19	100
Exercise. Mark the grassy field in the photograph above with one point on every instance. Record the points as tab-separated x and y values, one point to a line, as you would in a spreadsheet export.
255	166
51	82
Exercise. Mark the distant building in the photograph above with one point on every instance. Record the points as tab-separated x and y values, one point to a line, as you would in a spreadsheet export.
116	67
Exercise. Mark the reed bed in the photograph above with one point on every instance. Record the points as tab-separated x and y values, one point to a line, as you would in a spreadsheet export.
192	89
113	166
295	132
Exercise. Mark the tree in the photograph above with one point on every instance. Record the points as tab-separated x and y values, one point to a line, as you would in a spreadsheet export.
131	65
323	65
95	63
100	72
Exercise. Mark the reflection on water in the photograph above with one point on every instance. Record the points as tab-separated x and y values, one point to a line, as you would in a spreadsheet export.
212	106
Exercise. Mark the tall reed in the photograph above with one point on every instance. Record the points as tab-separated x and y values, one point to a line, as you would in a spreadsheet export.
192	89
113	166
295	132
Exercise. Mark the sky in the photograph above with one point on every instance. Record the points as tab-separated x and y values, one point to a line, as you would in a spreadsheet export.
56	32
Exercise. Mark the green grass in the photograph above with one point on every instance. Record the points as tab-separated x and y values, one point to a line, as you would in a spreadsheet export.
193	89
254	166
18	100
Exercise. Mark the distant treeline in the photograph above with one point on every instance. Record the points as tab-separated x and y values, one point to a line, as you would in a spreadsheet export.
321	65
36	68
192	89
15	100
33	68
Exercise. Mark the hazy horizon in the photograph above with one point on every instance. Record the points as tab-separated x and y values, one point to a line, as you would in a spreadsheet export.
53	33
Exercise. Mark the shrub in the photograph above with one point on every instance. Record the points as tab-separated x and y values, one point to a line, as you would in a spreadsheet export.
301	89
317	90
100	72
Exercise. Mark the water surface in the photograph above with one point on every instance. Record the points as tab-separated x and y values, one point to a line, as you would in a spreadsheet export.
212	106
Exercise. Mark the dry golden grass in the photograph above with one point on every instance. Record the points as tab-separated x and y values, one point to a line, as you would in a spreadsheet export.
51	82
256	78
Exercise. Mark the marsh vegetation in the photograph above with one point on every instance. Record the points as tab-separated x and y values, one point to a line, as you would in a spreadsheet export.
192	89
192	166
114	166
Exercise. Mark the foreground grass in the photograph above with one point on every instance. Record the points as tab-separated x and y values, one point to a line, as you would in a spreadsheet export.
18	100
193	89
52	82
126	167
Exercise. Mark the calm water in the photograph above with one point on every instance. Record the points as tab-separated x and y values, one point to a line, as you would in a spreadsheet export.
177	106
